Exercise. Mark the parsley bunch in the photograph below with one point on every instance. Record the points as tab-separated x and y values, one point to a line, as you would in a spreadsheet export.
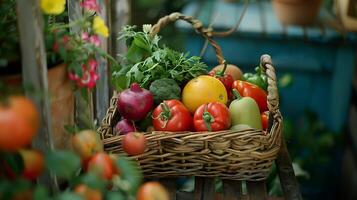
146	61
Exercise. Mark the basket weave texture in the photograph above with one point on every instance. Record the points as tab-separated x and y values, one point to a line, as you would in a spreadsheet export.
237	155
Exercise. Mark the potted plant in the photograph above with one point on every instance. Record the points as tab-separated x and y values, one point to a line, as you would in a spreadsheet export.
71	57
297	12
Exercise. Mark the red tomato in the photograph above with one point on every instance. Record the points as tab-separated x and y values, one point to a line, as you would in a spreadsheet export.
33	163
134	143
115	158
86	143
212	117
246	89
19	122
264	116
88	193
172	115
102	164
152	191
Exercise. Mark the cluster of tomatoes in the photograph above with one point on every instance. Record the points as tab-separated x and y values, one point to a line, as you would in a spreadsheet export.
208	104
90	148
20	122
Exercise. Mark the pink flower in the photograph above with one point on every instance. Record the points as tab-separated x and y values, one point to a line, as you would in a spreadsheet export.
55	46
94	39
73	76
65	39
92	63
85	36
89	75
90	5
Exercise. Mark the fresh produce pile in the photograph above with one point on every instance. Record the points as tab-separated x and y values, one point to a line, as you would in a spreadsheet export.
85	173
164	90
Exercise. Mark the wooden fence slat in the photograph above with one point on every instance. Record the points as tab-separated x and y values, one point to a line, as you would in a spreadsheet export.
257	190
286	173
198	188
120	15
185	195
204	188
232	190
102	88
170	185
34	70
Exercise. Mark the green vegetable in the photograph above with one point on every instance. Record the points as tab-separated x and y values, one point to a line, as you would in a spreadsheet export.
259	79
165	89
146	62
245	111
240	127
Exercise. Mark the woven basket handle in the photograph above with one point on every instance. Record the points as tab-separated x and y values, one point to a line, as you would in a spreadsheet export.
273	95
196	24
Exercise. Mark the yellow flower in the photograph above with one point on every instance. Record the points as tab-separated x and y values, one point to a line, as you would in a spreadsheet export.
99	27
53	7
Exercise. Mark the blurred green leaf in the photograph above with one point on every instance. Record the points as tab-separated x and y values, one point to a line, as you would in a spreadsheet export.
14	161
115	196
91	180
135	53
300	171
72	129
40	193
63	163
10	188
140	42
132	176
69	196
286	80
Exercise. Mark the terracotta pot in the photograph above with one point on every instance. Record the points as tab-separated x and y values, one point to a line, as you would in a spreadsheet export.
62	105
62	102
297	12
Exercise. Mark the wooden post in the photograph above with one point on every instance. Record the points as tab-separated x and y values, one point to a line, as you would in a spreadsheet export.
120	15
34	70
286	173
102	88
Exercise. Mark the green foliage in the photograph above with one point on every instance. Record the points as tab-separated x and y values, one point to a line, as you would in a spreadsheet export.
14	161
9	36
146	62
9	188
311	146
68	196
40	193
91	179
129	181
64	164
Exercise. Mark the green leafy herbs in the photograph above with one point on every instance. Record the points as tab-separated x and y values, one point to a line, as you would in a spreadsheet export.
146	61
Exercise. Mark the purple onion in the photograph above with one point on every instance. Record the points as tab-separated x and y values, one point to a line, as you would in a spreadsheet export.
135	103
125	126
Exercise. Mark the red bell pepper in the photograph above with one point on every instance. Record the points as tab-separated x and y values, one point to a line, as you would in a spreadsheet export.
212	116
246	89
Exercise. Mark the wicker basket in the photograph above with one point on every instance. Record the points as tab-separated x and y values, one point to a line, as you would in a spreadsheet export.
237	155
